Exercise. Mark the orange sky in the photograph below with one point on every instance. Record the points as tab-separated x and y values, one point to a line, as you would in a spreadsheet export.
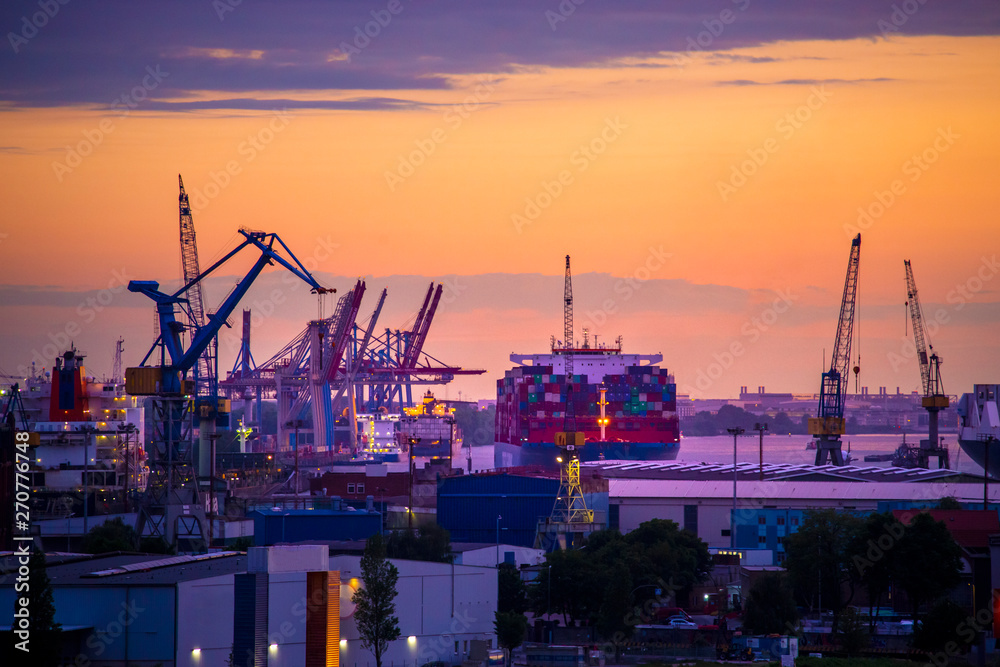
671	136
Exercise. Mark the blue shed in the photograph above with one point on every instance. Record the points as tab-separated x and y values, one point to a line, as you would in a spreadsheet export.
468	506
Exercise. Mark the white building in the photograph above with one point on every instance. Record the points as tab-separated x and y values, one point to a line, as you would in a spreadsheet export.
441	608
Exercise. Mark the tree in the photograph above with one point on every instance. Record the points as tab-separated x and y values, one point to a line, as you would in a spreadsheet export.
428	543
46	634
114	535
852	635
770	606
874	559
818	558
375	607
511	592
510	627
927	541
949	503
614	614
946	623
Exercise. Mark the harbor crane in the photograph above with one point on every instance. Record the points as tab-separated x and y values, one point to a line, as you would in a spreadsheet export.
206	370
828	425
934	399
172	508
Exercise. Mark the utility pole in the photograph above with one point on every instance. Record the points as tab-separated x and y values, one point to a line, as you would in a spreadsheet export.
736	431
761	428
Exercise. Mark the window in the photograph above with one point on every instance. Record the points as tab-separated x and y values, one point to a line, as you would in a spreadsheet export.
456	647
361	488
761	520
781	521
795	520
350	488
725	532
762	539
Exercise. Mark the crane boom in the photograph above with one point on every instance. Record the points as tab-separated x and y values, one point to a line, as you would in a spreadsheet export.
205	372
829	424
919	337
568	321
934	399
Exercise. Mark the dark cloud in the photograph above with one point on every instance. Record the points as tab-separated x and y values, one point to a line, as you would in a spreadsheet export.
801	82
93	53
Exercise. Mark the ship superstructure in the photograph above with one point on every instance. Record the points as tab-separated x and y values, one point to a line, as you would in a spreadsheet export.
979	426
91	440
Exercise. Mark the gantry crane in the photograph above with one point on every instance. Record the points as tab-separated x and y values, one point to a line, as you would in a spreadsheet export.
172	508
828	425
934	399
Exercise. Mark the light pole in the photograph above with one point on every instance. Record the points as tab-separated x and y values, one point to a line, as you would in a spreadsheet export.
761	428
498	539
736	431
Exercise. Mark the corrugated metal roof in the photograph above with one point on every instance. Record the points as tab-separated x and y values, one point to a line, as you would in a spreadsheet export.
800	490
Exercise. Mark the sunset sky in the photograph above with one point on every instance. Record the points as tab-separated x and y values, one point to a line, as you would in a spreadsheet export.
705	164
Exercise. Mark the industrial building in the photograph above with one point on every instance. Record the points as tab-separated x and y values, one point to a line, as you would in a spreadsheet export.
143	610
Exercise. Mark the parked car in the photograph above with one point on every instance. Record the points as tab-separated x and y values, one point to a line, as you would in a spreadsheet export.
680	623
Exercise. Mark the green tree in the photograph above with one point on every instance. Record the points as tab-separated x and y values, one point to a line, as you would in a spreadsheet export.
375	606
770	606
946	623
852	635
875	559
614	614
512	594
818	558
927	541
430	542
46	635
949	503
114	535
510	627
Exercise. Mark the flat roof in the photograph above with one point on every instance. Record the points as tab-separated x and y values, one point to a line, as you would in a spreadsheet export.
745	471
121	569
796	490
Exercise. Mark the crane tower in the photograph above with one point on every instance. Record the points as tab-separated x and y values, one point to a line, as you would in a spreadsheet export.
828	425
934	399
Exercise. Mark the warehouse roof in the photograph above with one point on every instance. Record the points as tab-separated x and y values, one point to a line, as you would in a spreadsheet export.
138	569
796	490
688	470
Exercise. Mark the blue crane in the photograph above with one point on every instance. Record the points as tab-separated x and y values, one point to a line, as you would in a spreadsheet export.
828	425
173	509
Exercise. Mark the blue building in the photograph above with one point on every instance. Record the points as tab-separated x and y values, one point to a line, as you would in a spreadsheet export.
283	526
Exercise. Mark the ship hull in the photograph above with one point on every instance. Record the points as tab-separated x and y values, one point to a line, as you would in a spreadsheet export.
976	450
544	454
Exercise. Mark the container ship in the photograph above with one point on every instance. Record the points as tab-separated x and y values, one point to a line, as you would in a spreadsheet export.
536	400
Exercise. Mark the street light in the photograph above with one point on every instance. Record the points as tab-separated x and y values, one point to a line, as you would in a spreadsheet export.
498	539
761	428
736	431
